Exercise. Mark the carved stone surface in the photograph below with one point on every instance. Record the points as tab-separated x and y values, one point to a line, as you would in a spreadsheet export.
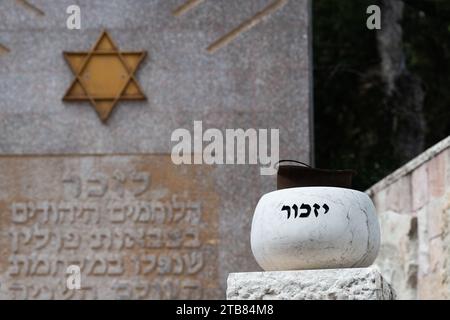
259	78
398	252
330	284
136	227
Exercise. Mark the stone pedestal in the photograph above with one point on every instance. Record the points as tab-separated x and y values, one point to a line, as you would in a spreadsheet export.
327	284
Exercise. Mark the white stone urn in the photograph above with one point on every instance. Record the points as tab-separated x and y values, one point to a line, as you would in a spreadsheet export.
315	228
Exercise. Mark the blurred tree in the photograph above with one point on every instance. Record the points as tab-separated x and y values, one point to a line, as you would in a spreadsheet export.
371	116
404	95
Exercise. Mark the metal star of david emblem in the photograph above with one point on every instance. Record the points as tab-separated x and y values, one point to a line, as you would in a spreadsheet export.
104	75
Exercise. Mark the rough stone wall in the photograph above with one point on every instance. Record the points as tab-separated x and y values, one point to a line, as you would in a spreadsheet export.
413	204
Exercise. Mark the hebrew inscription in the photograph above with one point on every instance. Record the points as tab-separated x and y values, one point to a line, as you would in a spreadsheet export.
132	224
304	210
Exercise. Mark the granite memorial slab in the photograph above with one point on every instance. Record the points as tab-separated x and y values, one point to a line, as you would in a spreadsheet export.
230	64
136	227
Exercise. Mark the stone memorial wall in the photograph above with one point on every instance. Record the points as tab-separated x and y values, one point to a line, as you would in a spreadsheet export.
136	227
105	195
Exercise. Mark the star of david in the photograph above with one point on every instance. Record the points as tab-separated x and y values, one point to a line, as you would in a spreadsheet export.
104	75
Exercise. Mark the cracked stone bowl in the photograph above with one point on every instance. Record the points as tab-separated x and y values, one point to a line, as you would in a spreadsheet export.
315	228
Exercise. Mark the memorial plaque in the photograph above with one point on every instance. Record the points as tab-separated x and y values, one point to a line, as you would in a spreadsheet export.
229	64
137	228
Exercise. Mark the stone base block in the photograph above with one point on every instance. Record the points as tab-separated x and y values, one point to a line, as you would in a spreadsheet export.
324	284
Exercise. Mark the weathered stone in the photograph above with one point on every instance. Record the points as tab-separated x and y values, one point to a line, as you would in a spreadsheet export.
436	223
420	193
434	243
327	284
447	184
417	263
261	79
437	176
399	196
423	245
137	227
379	200
397	259
442	146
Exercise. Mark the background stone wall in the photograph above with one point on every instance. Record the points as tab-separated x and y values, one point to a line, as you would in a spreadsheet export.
413	204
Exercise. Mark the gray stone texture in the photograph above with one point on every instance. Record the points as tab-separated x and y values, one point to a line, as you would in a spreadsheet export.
259	80
326	284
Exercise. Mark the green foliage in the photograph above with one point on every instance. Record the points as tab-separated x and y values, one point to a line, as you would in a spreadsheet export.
352	124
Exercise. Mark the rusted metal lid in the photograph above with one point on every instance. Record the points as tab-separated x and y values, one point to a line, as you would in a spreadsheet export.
299	174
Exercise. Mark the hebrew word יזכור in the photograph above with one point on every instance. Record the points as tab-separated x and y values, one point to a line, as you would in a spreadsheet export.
305	210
